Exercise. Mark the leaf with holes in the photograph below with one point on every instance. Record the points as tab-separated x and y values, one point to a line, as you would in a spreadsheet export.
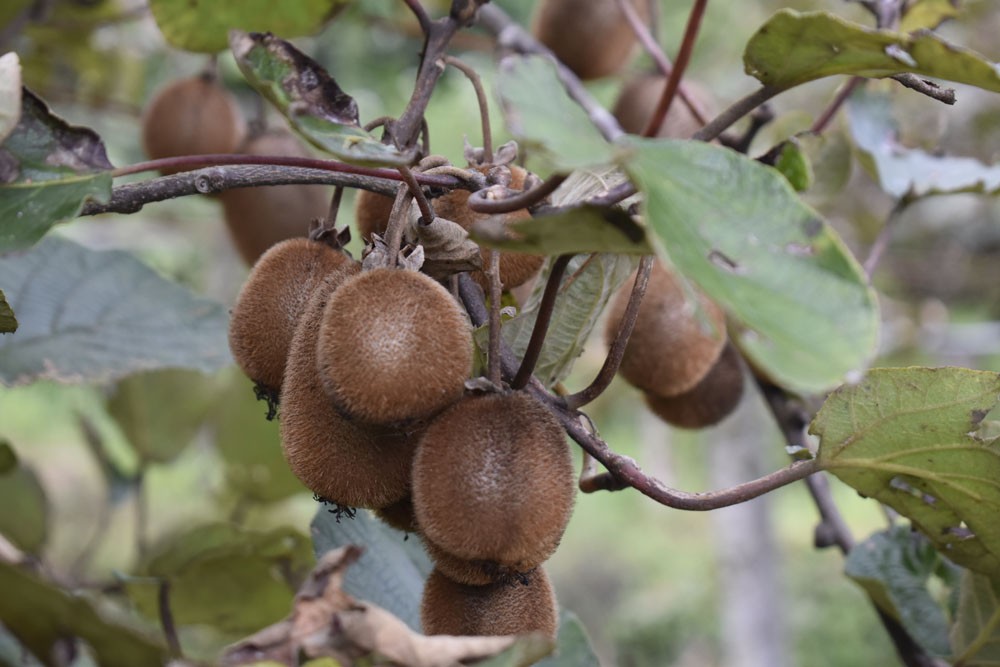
803	310
793	48
310	99
48	170
90	316
975	636
908	438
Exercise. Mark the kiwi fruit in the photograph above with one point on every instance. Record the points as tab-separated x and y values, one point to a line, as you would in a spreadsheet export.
272	301
637	102
675	341
371	213
193	116
349	464
591	37
708	402
510	482
259	217
451	608
394	347
400	515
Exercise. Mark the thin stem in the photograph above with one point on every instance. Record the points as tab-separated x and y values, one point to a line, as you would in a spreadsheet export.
167	619
516	202
926	87
881	242
737	110
680	64
426	212
375	123
542	319
617	351
422	18
331	215
495	373
394	230
484	107
824	118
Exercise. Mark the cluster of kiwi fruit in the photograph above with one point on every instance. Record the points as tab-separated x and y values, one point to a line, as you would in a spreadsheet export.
369	368
679	354
198	116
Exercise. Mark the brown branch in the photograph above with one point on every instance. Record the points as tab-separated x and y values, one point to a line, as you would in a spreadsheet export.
680	64
484	107
737	110
542	318
926	87
523	199
828	114
421	14
426	212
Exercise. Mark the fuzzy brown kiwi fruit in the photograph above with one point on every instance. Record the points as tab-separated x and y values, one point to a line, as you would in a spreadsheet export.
371	213
509	486
470	572
708	402
193	116
451	608
671	348
394	347
638	99
272	301
259	217
591	37
400	516
350	464
516	268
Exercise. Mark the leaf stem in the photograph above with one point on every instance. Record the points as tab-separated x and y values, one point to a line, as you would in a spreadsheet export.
516	202
680	64
484	107
544	316
737	110
828	114
167	619
426	212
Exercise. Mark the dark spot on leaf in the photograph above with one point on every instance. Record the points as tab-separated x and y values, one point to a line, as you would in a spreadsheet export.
723	262
962	532
978	416
812	227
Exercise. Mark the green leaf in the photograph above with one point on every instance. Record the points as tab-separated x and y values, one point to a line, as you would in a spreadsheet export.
543	118
807	316
894	567
250	445
903	171
8	323
160	411
907	437
793	48
583	229
928	14
794	165
39	615
236	582
310	99
48	170
392	569
95	316
573	647
10	94
25	517
975	636
526	650
203	25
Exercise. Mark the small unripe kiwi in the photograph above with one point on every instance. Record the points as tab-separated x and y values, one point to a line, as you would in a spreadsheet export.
259	217
394	347
638	100
350	464
371	213
272	302
509	486
193	116
671	348
708	402
591	37
451	608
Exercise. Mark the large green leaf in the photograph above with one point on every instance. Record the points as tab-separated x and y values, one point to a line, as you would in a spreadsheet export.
25	517
793	48
10	94
308	96
573	647
39	615
735	227
8	323
160	411
236	582
894	567
928	14
907	437
543	118
204	25
975	636
392	570
48	170
95	316
903	171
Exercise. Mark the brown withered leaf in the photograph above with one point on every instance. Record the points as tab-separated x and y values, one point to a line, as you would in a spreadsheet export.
326	622
447	248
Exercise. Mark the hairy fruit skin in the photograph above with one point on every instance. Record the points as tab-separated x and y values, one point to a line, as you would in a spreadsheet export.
470	572
193	116
671	349
510	483
371	213
273	300
708	402
451	608
591	37
259	217
637	103
400	516
394	347
350	464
